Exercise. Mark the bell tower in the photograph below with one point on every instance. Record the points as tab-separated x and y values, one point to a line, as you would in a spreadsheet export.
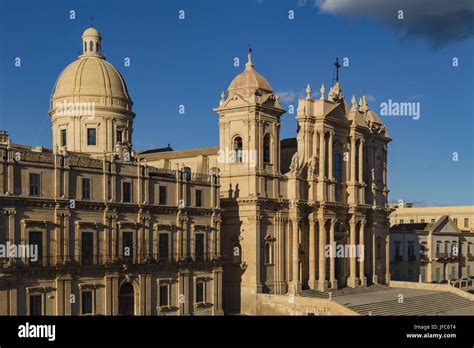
249	125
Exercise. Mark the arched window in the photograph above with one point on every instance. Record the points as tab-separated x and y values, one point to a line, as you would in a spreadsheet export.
238	150
266	148
337	168
91	46
85	46
97	46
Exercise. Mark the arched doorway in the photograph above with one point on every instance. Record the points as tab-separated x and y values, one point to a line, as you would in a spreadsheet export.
126	299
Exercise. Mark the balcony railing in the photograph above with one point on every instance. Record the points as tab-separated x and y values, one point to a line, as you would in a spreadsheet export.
101	260
411	257
398	258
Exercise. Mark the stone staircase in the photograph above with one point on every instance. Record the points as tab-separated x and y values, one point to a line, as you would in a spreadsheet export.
431	304
344	291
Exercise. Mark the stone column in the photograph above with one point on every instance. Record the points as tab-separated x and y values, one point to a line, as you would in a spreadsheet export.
361	161
312	252
322	155
295	256
217	292
374	254
10	213
353	158
387	259
332	256
67	256
352	281
322	283
363	279
331	192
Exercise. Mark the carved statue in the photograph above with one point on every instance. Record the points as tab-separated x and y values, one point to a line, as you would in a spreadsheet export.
313	166
294	163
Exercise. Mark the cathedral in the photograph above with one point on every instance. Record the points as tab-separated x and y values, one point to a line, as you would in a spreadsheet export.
203	231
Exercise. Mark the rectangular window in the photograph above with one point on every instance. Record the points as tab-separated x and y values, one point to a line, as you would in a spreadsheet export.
91	136
200	292
86	302
198	198
411	249
164	295
162	193
87	248
35	184
36	239
163	246
455	220
199	251
438	275
127	244
86	188
412	221
63	137
433	221
127	192
401	221
422	221
466	222
119	136
36	305
437	248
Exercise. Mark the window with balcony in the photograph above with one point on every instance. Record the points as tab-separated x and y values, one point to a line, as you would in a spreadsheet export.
199	246
127	238
86	302
35	239
164	295
87	248
163	246
200	295
36	304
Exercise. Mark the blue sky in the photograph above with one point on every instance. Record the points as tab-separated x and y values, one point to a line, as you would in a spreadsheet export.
190	62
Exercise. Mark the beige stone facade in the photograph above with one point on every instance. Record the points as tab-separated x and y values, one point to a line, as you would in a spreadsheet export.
431	252
461	216
246	220
114	235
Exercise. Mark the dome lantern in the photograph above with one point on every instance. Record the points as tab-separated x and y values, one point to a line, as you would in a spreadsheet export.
91	42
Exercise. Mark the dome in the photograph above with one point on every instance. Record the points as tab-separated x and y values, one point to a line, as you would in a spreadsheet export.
90	76
248	81
91	32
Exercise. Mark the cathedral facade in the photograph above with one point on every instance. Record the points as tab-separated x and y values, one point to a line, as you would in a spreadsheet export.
255	215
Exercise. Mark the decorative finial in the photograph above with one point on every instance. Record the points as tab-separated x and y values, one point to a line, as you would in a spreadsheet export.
92	21
308	91
323	91
222	98
249	64
354	102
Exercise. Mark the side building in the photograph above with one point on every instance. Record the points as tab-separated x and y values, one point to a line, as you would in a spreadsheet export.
110	234
432	252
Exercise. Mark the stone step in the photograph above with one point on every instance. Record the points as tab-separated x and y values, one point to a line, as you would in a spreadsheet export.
419	305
